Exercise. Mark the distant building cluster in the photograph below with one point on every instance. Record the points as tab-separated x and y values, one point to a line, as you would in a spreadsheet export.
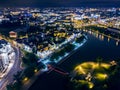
51	17
43	30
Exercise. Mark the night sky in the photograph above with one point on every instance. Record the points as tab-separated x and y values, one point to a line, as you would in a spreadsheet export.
60	3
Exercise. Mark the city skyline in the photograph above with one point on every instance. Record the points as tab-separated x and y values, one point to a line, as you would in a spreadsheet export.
59	44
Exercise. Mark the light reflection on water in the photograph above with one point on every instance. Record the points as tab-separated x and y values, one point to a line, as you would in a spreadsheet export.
102	36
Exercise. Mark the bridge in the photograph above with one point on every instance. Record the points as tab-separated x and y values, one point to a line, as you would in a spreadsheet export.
56	69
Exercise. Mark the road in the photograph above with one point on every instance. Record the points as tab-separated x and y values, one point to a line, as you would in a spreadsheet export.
16	67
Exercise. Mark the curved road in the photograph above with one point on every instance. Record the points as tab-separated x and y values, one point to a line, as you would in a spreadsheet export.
16	67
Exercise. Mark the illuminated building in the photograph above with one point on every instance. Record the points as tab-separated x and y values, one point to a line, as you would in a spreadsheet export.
12	34
6	55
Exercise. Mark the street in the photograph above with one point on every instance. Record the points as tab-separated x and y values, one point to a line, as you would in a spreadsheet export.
16	67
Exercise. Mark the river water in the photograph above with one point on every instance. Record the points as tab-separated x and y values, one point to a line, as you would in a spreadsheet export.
97	45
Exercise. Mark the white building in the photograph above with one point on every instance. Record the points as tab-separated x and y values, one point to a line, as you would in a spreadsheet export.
6	55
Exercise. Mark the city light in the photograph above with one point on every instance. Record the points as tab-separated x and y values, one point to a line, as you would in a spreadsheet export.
35	41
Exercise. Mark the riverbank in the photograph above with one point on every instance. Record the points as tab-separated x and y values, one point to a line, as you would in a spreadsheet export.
72	52
28	83
92	49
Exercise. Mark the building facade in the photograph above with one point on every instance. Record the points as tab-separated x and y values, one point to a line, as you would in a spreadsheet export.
6	56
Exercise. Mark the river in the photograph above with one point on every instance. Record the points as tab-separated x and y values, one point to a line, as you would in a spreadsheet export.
97	45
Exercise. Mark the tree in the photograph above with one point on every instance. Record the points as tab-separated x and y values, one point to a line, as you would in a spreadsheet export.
99	60
54	56
17	76
14	86
69	47
40	65
34	50
9	87
30	59
29	72
78	40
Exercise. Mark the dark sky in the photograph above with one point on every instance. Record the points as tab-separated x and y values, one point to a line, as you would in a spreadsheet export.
52	3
